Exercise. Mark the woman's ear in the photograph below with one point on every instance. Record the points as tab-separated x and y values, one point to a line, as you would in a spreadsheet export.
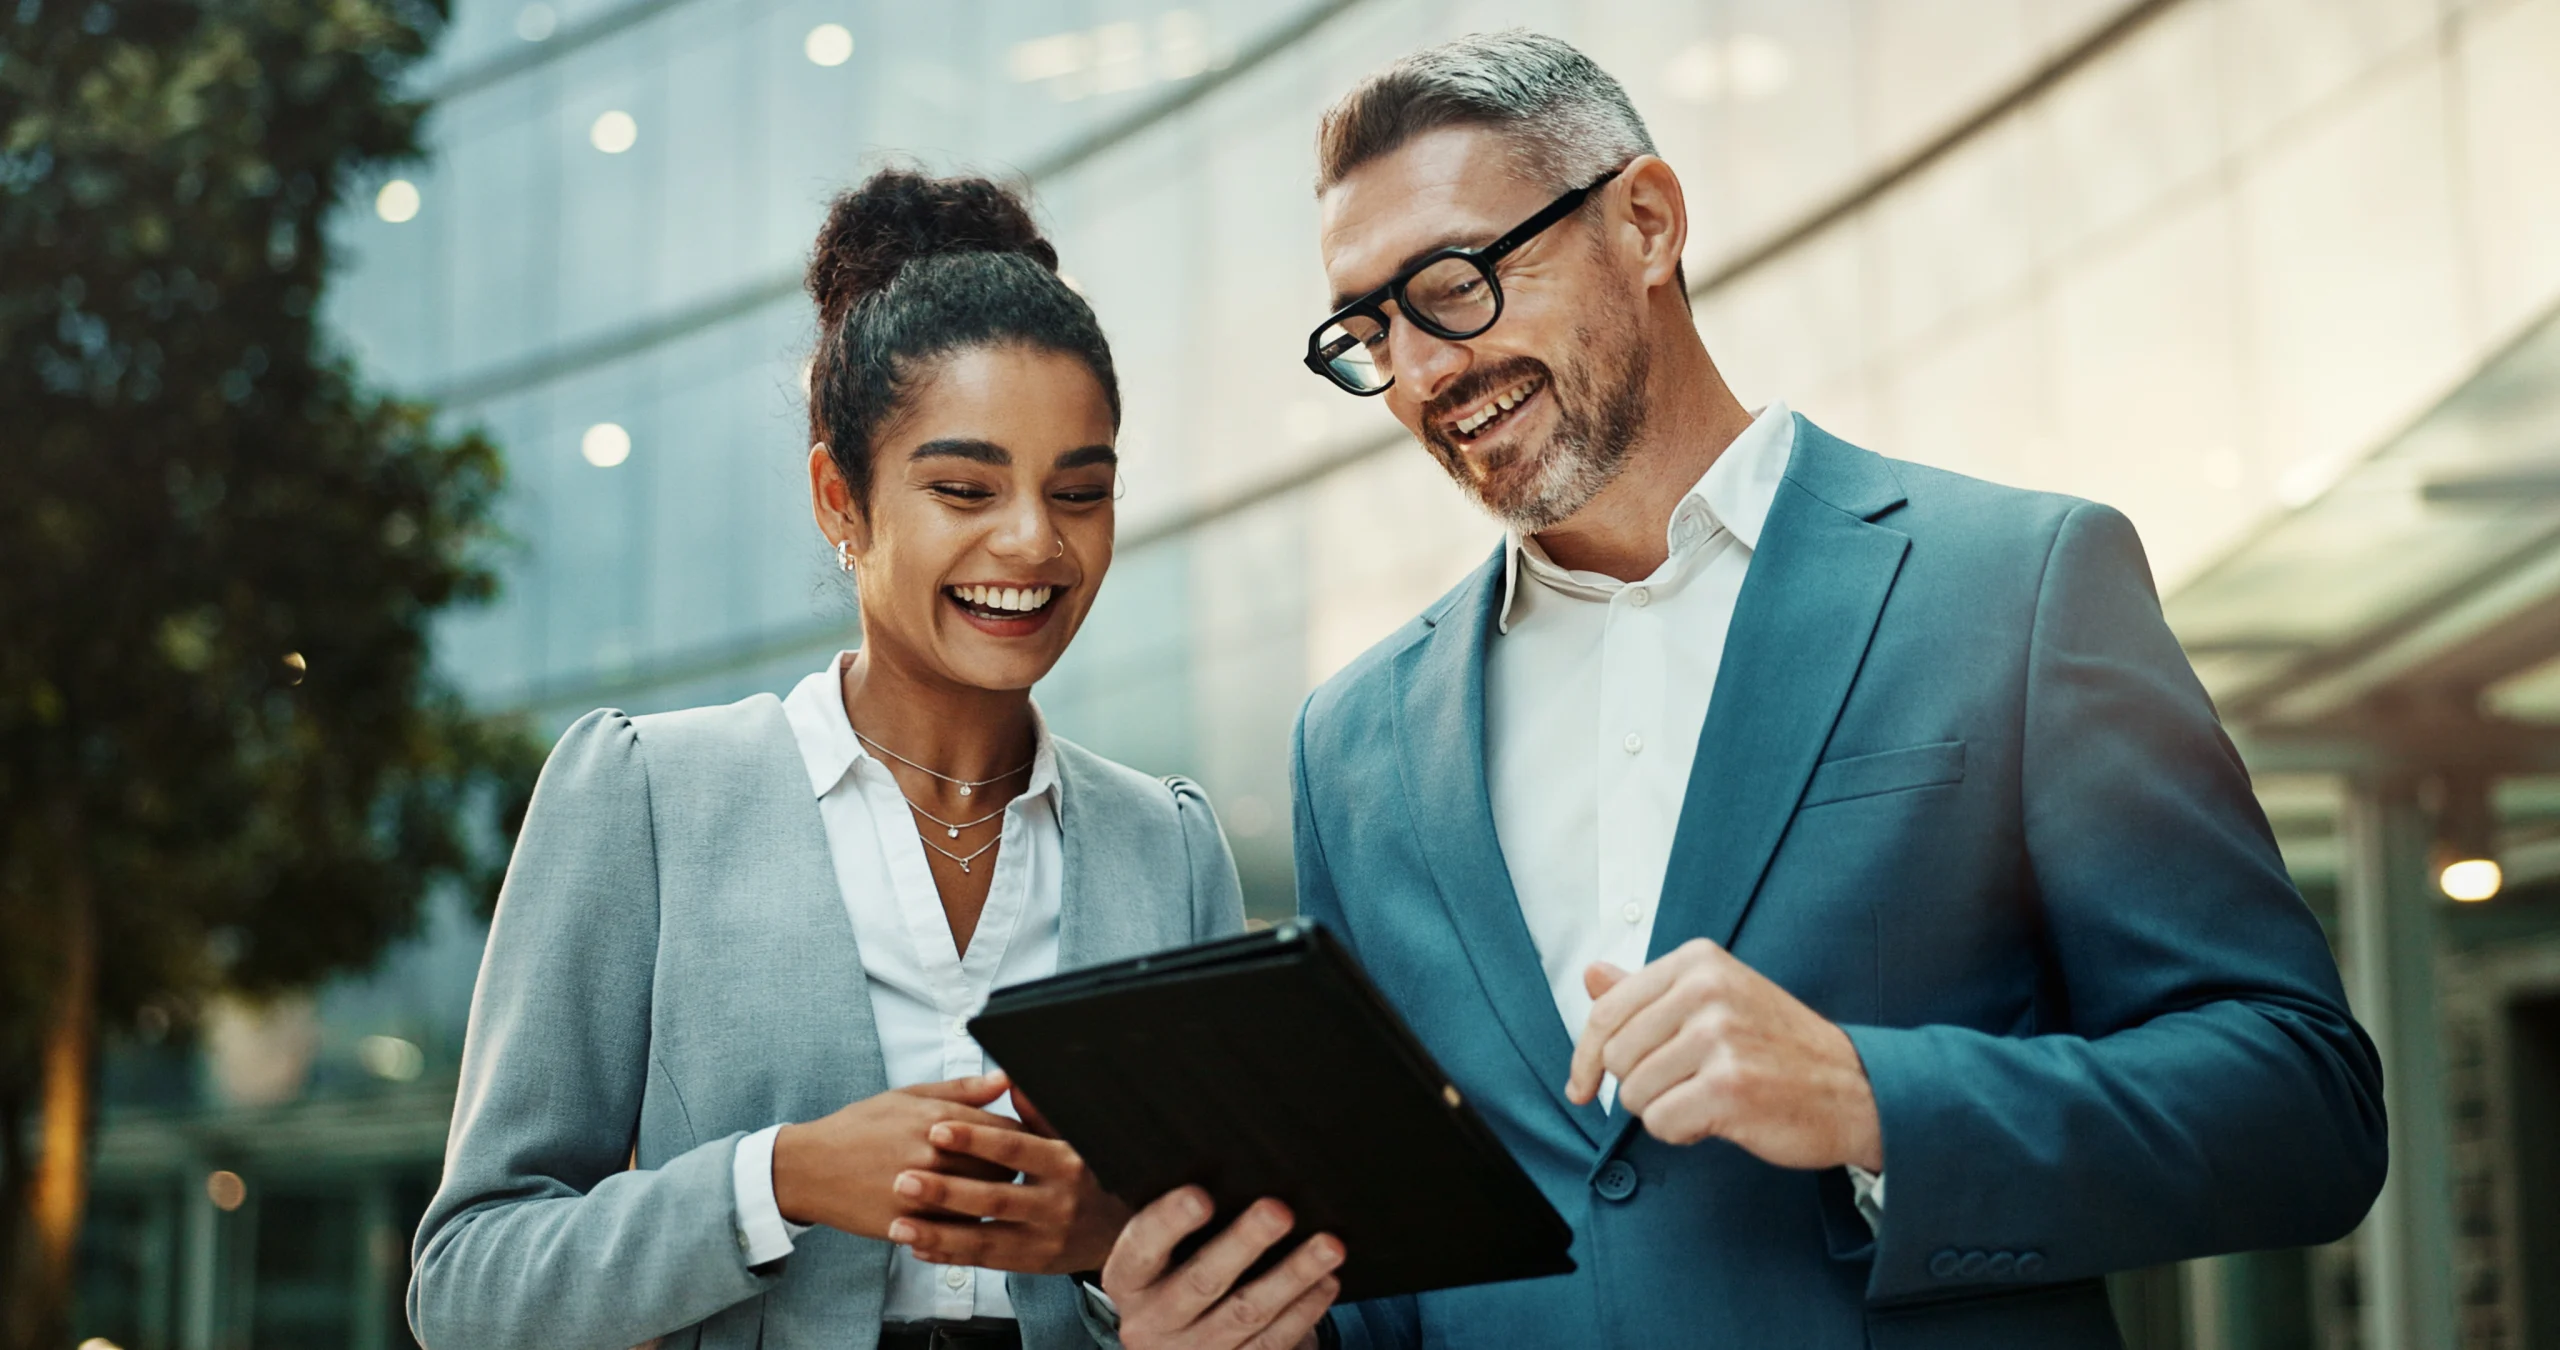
831	502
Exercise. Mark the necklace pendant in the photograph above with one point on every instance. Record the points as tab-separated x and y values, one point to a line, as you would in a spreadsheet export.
951	830
966	790
964	867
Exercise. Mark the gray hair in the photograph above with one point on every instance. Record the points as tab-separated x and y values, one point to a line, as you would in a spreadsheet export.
1568	121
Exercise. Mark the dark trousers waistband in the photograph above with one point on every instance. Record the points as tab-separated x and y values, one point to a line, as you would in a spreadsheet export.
978	1333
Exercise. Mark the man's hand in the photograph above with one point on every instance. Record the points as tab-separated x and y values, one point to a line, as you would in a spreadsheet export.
841	1170
1057	1221
1706	1047
1196	1306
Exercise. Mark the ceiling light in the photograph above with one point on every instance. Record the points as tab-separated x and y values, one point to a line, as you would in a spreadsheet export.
614	132
605	444
397	202
829	44
226	1190
2471	879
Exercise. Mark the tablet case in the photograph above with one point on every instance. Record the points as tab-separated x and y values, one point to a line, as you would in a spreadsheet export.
1267	1064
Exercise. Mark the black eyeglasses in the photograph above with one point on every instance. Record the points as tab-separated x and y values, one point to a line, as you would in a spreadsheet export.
1452	294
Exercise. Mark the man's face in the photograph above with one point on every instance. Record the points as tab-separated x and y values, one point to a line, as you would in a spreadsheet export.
1535	415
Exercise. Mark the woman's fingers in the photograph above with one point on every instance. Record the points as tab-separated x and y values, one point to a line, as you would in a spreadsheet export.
999	1200
964	1243
1031	1117
975	1090
1010	1147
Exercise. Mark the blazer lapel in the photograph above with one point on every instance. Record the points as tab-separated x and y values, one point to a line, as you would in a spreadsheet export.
1800	631
1112	897
822	952
1439	721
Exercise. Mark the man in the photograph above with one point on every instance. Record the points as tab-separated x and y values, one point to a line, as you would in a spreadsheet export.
1823	872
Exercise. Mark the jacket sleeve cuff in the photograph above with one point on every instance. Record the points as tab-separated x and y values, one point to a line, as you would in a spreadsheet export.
763	1234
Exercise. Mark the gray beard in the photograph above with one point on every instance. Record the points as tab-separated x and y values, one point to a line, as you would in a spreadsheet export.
1589	448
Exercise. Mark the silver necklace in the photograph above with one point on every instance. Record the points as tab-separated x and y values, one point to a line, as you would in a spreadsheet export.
951	829
963	859
967	786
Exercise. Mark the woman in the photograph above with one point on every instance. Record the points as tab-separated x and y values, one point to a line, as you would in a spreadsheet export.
726	990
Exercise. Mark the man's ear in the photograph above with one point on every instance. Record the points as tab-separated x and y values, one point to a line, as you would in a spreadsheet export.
1658	214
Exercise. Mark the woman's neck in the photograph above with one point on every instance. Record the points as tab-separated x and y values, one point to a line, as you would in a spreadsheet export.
967	733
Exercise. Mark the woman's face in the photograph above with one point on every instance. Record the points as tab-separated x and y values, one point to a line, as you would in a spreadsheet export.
990	517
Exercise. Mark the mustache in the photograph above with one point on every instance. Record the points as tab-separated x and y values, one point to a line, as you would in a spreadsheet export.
1477	383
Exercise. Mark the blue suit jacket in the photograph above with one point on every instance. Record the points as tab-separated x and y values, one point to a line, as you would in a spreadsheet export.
1960	792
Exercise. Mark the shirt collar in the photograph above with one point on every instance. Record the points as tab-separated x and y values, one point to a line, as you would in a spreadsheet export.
829	749
1735	494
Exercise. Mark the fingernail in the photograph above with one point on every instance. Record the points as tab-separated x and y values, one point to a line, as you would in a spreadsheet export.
902	1231
1195	1206
944	1136
910	1185
1331	1251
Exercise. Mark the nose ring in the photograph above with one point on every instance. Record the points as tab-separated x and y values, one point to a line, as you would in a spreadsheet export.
1062	549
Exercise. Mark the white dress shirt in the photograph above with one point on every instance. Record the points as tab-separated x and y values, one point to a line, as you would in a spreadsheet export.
923	989
1595	692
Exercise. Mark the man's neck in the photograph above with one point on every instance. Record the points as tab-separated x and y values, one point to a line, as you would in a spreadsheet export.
1690	418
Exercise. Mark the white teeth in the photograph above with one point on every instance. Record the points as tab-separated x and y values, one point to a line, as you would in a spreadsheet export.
1502	403
1018	599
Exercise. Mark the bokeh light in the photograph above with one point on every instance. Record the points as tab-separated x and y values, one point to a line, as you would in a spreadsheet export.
605	444
829	44
614	132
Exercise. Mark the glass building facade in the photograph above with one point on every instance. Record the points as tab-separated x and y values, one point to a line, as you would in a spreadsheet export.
2198	259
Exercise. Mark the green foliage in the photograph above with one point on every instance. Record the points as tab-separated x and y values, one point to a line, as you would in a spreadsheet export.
221	557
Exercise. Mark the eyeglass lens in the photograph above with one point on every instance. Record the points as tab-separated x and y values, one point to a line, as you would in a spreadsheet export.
1452	297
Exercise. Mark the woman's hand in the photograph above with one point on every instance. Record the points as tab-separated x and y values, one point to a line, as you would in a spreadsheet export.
1057	1220
842	1170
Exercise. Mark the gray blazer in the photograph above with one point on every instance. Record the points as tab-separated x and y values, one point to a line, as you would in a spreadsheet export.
670	968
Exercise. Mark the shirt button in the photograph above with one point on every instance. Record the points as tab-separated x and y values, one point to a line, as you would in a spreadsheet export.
1632	913
1633	742
960	1026
954	1277
1639	597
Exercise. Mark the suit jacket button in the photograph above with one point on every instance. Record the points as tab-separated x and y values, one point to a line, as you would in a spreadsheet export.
2030	1265
1943	1265
1616	1180
2002	1265
1972	1266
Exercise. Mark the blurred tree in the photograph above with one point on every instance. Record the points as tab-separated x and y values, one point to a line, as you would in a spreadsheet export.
225	762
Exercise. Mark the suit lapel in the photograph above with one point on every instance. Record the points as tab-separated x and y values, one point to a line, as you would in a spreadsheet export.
1439	721
1800	631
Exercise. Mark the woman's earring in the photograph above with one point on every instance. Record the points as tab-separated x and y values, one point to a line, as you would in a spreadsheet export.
844	554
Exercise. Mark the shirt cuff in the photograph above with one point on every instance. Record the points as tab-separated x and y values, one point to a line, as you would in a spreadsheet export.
1867	1190
763	1234
1099	1303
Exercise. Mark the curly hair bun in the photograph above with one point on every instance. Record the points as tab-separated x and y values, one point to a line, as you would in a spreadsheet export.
899	215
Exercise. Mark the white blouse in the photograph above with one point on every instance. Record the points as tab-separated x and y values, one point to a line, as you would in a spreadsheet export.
923	989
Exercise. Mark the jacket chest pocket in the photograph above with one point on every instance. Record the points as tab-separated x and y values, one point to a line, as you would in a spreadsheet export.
1886	771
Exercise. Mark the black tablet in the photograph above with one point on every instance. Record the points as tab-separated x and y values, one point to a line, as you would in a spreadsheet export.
1267	1064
